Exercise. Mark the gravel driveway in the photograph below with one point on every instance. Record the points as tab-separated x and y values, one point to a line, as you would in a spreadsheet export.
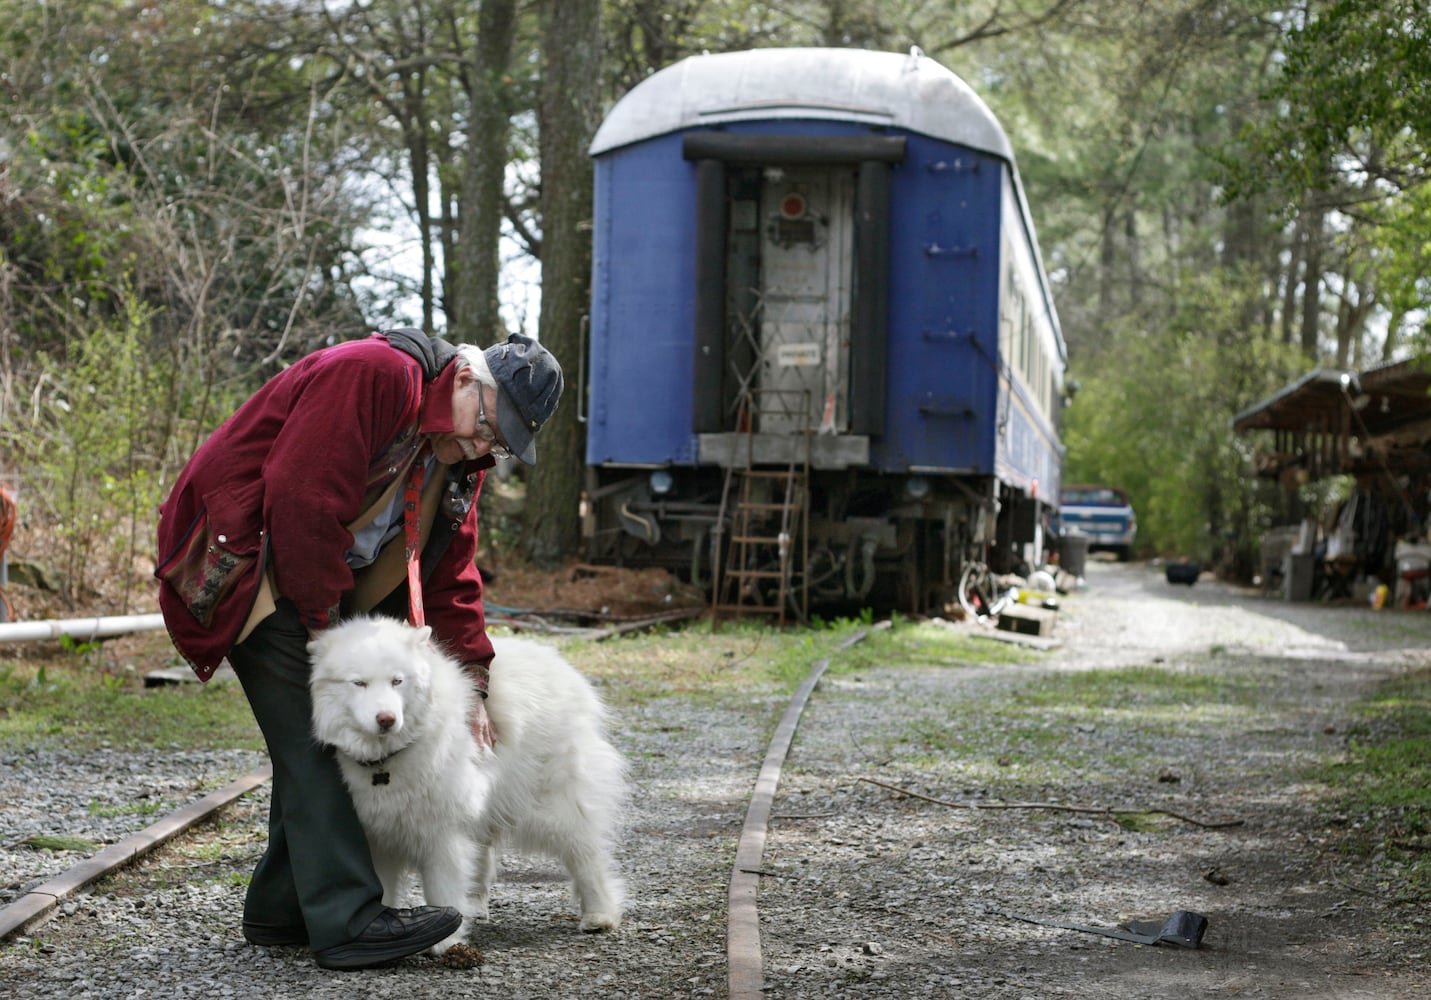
866	892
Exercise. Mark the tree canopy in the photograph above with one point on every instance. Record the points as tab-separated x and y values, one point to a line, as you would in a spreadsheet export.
1227	192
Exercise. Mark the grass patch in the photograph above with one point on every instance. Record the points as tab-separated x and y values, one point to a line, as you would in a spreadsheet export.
749	657
73	705
1385	780
148	807
927	644
54	842
1033	731
703	664
1135	822
72	701
1140	690
221	850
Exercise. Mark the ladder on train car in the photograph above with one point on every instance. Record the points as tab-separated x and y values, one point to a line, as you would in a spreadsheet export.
768	513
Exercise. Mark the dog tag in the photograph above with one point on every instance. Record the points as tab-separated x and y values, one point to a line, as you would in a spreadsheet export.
381	777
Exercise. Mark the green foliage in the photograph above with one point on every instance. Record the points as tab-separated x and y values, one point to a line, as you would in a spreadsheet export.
1403	243
1347	124
754	657
1354	94
57	842
90	445
144	807
76	648
222	166
1385	781
177	215
79	707
1158	422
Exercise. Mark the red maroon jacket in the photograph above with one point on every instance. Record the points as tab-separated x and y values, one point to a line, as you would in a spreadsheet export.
273	488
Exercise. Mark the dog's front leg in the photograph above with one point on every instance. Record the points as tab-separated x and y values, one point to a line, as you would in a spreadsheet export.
446	881
392	873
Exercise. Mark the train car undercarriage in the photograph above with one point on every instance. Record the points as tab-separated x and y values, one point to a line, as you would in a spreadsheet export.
835	543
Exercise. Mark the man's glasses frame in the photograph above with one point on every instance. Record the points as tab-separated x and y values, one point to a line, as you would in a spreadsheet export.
487	432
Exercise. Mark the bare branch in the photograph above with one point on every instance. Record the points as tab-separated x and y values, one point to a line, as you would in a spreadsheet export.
1057	807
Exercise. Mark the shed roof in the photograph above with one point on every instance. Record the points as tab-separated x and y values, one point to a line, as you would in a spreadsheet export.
1382	399
910	91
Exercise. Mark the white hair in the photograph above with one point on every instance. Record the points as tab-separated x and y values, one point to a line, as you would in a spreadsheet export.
471	356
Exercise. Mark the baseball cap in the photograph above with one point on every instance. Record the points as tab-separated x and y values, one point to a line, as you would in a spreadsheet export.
530	382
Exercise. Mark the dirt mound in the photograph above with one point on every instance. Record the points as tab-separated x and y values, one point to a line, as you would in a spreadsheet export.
578	589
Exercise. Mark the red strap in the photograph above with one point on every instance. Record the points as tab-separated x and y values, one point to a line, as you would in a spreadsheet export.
412	530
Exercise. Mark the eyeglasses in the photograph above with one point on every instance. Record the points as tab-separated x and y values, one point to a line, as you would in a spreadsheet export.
487	433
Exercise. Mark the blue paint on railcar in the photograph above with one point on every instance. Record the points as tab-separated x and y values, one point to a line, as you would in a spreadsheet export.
643	306
943	300
943	293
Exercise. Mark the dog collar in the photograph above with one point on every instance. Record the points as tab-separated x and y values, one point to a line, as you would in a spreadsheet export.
380	777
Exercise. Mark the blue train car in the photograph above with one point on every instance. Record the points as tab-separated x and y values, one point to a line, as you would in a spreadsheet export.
818	261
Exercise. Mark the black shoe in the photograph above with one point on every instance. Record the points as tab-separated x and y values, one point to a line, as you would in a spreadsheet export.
275	937
392	935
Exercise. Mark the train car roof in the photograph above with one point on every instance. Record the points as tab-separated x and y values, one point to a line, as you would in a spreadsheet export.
910	91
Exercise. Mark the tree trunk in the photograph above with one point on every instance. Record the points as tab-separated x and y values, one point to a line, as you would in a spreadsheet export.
1107	260
1134	250
567	119
420	162
1357	302
1312	285
472	315
1393	333
1289	286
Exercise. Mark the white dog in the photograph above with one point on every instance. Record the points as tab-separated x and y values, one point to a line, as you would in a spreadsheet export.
430	800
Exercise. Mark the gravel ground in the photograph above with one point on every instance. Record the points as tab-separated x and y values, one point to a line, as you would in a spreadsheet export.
865	892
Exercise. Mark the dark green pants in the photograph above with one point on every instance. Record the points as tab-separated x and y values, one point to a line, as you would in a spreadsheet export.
317	871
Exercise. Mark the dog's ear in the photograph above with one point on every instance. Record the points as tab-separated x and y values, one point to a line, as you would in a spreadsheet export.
421	636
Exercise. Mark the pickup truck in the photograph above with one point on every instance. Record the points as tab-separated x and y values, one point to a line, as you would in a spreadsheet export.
1102	514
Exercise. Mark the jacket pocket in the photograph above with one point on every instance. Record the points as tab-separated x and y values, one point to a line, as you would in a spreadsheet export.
218	551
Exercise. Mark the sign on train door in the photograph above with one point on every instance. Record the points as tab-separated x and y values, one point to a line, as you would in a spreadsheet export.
807	248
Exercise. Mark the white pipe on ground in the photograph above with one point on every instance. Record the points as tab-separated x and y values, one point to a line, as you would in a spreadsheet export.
80	629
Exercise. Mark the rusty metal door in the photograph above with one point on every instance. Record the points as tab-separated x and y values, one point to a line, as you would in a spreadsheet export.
807	246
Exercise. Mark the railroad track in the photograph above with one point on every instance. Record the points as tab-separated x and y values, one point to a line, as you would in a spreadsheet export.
40	902
745	967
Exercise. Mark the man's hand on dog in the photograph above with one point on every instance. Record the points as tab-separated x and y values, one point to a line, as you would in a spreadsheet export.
481	725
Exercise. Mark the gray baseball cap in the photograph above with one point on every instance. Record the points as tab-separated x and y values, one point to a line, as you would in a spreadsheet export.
531	383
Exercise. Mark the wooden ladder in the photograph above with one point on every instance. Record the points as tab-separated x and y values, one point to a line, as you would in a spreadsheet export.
766	528
768	519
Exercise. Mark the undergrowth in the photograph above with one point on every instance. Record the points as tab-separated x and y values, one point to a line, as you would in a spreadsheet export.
75	705
1385	782
701	662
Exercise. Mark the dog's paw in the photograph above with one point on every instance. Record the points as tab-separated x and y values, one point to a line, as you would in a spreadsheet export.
595	923
446	944
457	937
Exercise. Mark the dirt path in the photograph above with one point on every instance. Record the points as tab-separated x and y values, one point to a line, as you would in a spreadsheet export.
918	894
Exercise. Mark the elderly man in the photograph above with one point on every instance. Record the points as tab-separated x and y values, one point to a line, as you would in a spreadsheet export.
344	477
